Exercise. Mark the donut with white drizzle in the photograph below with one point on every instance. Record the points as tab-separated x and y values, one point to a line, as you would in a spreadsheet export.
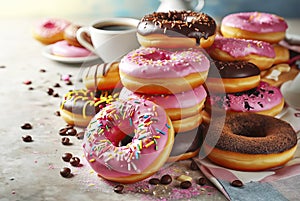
104	76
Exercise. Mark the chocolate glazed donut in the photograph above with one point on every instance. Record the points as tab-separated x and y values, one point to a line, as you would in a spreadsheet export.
174	24
237	76
187	144
78	107
252	142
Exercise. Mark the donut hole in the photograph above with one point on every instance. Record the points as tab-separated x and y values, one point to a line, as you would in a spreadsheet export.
248	128
157	55
126	140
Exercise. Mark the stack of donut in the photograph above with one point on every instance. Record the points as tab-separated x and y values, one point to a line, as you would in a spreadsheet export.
245	57
255	37
158	116
60	34
170	69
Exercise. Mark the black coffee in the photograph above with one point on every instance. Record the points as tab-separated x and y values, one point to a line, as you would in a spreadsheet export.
115	27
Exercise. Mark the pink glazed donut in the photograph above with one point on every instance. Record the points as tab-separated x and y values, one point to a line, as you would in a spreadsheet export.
129	140
254	25
64	49
264	99
260	53
184	109
163	71
50	30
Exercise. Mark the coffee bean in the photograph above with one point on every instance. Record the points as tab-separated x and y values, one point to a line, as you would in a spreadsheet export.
56	85
65	172
118	188
202	181
63	131
69	82
68	126
66	157
30	88
57	113
50	91
27	82
26	126
27	138
194	166
65	141
71	132
237	183
55	95
42	70
75	161
80	135
166	179
185	184
154	181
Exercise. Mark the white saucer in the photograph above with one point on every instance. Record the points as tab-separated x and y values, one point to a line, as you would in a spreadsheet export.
47	53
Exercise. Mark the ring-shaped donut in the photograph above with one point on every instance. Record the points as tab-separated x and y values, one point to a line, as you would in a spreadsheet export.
128	140
252	142
176	29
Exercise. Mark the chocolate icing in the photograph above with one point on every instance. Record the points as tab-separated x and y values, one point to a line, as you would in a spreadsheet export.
178	24
186	142
252	133
233	69
87	102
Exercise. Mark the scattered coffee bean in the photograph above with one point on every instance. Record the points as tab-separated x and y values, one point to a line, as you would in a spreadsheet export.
194	166
63	131
202	181
50	91
2	66
166	179
65	172
56	85
42	70
30	88
27	82
75	161
69	82
26	126
57	113
67	157
55	95
154	181
118	188
80	135
65	141
185	184
71	132
27	138
237	183
68	126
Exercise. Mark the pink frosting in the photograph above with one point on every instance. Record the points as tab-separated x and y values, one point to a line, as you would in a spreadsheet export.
256	22
64	49
181	100
264	97
164	63
142	118
50	27
242	47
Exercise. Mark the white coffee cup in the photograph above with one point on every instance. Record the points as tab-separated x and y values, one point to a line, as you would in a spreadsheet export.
111	38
